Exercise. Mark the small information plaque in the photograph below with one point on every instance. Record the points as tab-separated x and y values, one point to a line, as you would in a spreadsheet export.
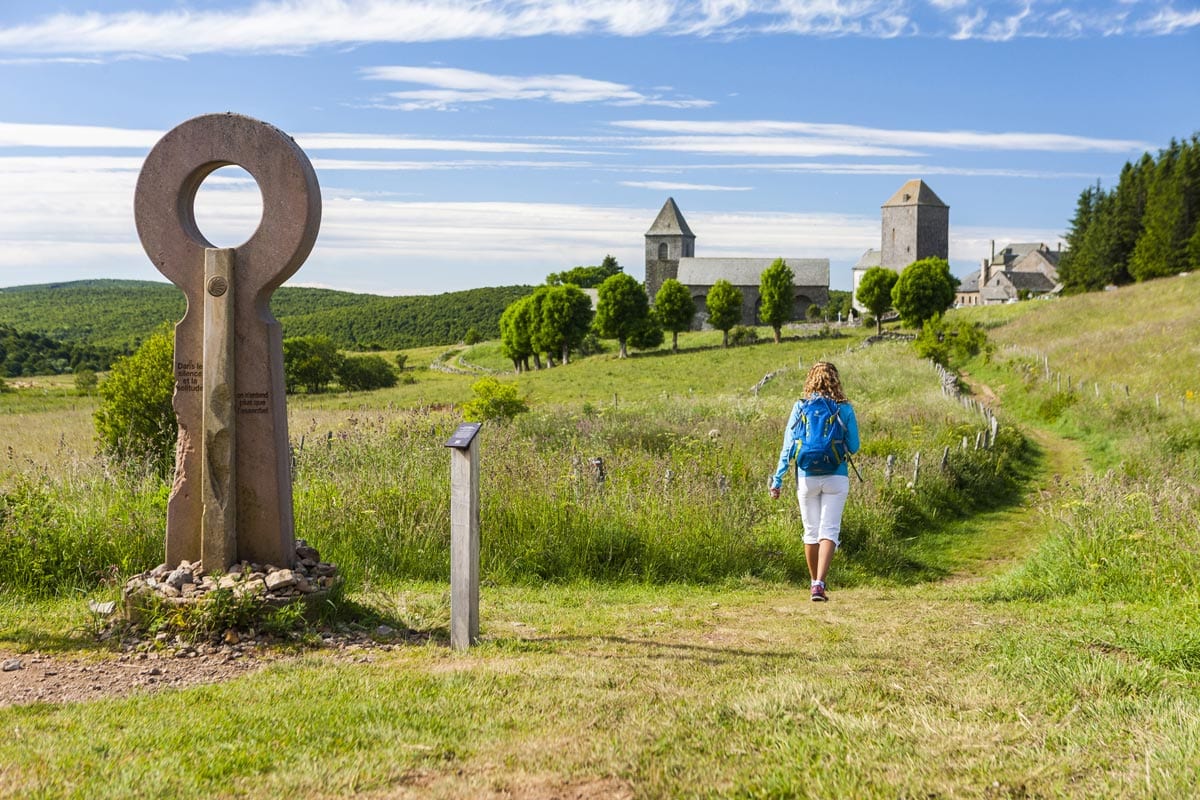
463	435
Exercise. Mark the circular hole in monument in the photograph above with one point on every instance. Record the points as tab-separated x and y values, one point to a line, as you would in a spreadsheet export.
228	207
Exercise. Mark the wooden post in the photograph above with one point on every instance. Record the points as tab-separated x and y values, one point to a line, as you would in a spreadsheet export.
887	470
464	536
995	428
916	467
218	470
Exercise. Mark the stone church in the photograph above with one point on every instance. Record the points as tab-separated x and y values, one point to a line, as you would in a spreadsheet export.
671	253
915	225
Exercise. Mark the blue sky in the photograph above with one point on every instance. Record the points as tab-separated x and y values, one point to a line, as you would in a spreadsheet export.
464	144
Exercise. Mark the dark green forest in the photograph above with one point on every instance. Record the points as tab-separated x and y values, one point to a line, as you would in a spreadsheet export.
1147	226
23	353
54	328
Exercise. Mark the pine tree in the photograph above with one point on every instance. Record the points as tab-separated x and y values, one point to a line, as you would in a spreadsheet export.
1172	213
1073	269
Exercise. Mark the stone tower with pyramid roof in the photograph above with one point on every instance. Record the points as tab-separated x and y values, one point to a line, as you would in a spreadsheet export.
668	240
916	225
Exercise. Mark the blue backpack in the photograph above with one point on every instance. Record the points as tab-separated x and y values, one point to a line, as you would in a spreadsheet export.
820	437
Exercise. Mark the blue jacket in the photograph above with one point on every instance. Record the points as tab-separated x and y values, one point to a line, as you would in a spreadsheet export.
845	414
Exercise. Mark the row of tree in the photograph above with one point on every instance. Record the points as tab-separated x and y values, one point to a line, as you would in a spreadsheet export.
557	318
1148	226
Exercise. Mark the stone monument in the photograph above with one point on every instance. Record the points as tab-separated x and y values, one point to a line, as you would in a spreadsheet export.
231	500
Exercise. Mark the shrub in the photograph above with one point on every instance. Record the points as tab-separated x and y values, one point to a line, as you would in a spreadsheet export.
86	380
743	334
648	336
950	343
364	373
136	421
493	401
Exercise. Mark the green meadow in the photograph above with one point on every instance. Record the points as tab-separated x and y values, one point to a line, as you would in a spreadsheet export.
1009	622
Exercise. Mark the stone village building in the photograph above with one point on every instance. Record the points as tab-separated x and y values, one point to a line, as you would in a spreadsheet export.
671	253
1023	269
915	225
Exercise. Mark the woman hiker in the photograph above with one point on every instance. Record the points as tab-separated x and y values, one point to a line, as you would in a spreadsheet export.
821	489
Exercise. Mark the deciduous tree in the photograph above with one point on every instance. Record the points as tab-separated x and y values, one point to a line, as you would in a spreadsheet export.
675	309
566	318
777	290
923	291
724	305
515	332
621	309
875	292
311	362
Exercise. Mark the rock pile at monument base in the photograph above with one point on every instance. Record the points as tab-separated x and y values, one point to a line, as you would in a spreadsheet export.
309	580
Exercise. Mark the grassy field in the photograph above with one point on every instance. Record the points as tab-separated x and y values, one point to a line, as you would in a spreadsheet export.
1010	641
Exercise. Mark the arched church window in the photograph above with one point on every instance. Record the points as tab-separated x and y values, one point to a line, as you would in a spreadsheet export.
662	252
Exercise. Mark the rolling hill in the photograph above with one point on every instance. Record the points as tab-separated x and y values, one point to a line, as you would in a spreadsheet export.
118	314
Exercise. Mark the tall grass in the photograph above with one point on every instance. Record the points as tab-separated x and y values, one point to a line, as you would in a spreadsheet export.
686	447
683	494
1130	533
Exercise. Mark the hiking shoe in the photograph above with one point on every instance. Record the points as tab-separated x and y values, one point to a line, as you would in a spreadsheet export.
818	594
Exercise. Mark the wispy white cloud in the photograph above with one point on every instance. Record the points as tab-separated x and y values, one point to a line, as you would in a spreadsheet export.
673	186
369	141
14	134
1168	21
766	146
450	87
374	165
299	25
774	137
876	19
896	168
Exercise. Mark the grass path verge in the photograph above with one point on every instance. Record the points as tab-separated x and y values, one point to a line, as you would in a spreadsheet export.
743	690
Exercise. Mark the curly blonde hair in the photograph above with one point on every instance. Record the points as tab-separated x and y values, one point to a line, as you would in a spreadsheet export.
823	380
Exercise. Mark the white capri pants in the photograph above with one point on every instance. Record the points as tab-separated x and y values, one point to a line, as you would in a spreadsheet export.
822	499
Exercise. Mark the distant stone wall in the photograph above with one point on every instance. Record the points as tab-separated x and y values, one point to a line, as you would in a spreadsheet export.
752	304
657	272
